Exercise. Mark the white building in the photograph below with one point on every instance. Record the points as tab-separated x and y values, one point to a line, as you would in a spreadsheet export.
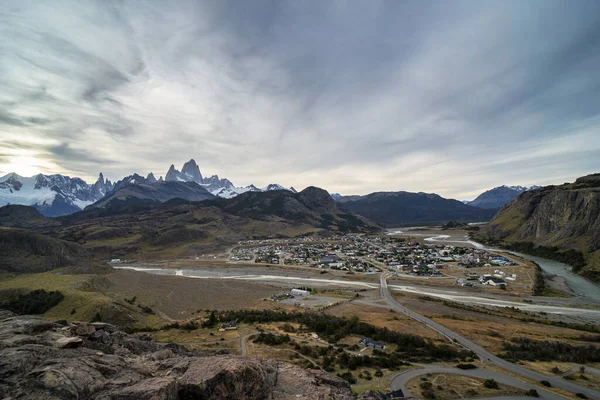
300	292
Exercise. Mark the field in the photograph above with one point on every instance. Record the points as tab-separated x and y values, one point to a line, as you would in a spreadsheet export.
119	296
448	387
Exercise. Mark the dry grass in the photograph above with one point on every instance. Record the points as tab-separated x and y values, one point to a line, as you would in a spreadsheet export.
450	386
382	317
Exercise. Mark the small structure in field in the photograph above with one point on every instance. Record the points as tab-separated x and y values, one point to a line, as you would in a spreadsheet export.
300	292
372	343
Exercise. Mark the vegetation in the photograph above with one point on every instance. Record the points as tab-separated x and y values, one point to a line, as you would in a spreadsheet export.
270	339
35	302
529	350
466	366
491	384
571	257
333	329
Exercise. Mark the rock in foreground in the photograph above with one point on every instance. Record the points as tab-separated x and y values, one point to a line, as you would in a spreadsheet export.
57	360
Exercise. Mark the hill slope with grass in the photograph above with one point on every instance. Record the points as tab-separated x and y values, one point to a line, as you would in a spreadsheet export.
561	222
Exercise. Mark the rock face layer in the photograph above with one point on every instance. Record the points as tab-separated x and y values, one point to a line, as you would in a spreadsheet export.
566	217
40	359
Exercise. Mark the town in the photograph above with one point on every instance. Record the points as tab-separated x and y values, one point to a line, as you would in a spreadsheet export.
368	255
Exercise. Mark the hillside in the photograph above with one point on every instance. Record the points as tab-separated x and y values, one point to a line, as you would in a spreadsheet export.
17	216
401	208
60	360
25	251
564	220
312	206
156	192
135	227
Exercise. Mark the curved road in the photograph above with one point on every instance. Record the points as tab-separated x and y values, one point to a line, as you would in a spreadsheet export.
482	353
399	381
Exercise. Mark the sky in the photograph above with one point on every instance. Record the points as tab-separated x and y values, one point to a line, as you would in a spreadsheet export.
451	97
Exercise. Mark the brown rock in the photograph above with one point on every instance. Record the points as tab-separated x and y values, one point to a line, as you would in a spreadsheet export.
85	330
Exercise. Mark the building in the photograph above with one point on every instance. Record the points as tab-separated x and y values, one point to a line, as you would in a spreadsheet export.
328	260
495	282
372	344
300	292
229	326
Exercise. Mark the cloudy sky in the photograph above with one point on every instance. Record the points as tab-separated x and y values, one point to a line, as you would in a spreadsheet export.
452	97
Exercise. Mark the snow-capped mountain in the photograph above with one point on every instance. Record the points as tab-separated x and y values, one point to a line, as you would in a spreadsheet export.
220	187
56	195
52	195
499	196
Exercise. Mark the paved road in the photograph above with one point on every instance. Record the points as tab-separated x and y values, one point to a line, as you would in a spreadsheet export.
399	381
482	353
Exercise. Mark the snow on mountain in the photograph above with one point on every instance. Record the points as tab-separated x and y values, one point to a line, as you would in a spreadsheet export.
499	196
55	195
52	195
221	187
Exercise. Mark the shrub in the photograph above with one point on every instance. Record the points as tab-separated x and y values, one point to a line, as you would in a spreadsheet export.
466	366
490	384
581	395
426	385
546	383
532	393
35	302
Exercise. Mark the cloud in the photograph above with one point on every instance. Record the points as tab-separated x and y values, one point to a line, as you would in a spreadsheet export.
453	97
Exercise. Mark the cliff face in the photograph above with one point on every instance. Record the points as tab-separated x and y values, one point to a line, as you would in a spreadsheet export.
40	359
566	217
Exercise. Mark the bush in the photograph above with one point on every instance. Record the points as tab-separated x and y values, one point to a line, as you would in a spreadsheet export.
35	302
581	396
546	383
426	385
428	394
532	393
348	377
466	366
490	384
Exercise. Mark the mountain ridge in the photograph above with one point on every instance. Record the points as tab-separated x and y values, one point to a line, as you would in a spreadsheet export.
499	196
399	208
560	220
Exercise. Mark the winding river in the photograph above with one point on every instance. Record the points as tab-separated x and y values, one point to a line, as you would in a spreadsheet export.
576	283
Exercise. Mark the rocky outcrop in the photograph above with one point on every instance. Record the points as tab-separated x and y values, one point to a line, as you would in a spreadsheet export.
40	359
566	217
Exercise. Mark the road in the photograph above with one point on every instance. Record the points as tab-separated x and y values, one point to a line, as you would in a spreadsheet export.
482	353
399	381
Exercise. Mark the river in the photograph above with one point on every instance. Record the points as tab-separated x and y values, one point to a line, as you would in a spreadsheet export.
576	283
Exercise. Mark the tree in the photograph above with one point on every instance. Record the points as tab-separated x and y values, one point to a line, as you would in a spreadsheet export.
490	384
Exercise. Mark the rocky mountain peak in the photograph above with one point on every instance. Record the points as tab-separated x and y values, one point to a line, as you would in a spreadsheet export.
173	174
151	178
191	172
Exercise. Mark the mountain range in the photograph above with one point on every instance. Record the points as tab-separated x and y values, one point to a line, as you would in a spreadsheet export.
56	195
401	208
52	195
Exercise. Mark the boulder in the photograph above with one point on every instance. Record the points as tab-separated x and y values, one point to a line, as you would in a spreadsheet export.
68	342
85	330
220	378
148	389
